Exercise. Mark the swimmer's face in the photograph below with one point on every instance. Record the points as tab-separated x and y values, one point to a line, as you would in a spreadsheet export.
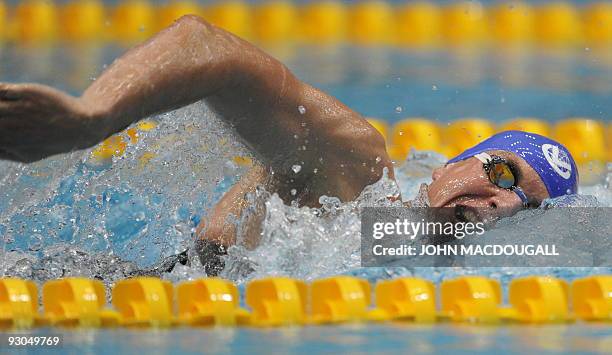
465	184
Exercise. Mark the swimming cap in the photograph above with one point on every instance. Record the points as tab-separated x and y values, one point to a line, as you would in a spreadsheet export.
551	160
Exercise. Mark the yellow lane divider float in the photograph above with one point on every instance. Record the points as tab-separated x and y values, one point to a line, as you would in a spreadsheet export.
512	23
323	22
18	304
558	24
370	22
407	299
207	302
274	21
418	24
144	302
132	21
277	301
77	302
538	299
280	301
83	21
591	298
232	15
471	299
340	299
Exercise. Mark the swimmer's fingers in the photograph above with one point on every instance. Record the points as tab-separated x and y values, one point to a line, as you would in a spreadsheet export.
33	93
12	92
14	99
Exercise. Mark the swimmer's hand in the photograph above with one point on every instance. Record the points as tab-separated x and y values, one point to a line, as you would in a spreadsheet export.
37	121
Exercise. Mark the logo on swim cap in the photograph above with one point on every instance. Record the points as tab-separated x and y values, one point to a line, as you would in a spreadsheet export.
558	160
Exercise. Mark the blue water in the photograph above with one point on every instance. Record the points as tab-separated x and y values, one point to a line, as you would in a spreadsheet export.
354	339
66	216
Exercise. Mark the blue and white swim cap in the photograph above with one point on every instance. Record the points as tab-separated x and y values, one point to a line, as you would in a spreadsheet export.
551	160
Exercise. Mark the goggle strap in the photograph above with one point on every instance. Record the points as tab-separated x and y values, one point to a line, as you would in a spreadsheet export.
483	157
521	194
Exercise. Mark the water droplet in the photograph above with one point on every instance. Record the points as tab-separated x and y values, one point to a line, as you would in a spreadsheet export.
399	109
434	87
35	242
296	168
301	109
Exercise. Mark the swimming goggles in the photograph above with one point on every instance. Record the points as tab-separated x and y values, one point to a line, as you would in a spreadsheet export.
501	174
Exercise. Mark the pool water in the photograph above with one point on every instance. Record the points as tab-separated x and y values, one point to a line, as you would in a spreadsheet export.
72	216
354	339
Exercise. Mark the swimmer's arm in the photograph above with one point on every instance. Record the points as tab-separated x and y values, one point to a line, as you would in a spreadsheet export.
219	227
283	120
194	60
189	61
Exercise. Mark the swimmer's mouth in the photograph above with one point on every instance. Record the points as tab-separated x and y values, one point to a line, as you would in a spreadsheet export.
466	214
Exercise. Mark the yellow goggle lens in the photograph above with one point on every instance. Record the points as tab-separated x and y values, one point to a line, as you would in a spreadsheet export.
501	175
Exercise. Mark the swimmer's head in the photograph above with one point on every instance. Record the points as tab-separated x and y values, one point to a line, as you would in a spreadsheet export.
504	174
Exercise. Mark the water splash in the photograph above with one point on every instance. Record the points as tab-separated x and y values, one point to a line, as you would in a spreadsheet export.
308	242
70	216
141	207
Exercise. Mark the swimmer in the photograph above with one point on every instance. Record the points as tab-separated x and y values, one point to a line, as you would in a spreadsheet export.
309	143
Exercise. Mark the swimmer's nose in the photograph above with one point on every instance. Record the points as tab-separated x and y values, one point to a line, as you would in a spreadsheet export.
489	196
505	202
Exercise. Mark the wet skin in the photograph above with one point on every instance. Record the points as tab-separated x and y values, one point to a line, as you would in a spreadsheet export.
285	122
466	184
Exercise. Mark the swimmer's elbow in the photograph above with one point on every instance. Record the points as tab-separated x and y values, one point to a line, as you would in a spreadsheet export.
193	27
191	21
377	141
379	151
